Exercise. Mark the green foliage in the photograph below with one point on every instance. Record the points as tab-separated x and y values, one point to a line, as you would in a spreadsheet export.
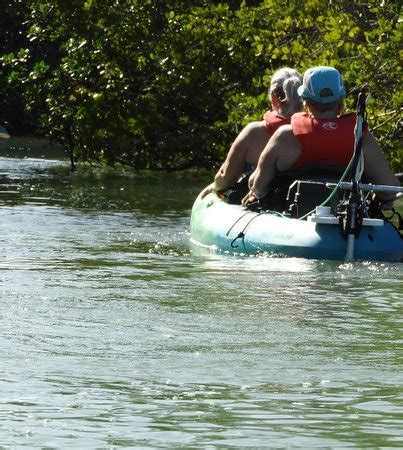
167	85
12	39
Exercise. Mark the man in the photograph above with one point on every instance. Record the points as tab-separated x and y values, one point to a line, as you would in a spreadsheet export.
321	135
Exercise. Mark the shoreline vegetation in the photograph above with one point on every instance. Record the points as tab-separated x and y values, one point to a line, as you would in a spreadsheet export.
31	146
167	87
43	148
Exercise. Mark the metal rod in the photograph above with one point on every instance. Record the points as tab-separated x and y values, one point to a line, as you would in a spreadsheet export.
357	168
368	187
350	248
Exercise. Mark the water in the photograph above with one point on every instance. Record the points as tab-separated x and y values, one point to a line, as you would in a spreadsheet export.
114	333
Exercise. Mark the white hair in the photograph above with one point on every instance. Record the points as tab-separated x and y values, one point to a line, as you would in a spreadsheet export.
284	86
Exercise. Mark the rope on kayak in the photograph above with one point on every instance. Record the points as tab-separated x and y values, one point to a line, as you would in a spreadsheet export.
242	234
237	220
399	226
333	193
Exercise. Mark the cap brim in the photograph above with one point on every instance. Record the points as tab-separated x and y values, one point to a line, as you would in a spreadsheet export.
304	93
301	91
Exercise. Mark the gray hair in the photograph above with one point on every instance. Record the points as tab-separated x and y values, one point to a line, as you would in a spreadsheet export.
284	86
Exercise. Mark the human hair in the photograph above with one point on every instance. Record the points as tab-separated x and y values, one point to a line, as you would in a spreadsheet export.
336	105
284	85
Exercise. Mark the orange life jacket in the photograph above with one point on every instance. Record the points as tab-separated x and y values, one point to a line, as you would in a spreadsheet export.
327	141
274	121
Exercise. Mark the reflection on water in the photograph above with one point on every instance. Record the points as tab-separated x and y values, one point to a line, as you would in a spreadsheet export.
115	333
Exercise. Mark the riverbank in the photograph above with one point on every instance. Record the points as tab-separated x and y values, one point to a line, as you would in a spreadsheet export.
29	146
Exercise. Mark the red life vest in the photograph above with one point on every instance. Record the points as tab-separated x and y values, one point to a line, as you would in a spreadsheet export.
327	141
274	121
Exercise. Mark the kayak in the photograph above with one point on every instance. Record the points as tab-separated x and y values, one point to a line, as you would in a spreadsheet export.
232	228
298	217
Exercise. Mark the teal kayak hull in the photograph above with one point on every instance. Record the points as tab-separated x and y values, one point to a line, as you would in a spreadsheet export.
231	228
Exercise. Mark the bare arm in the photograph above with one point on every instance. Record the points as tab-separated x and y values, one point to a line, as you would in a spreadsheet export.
236	159
245	150
232	167
230	170
376	167
279	155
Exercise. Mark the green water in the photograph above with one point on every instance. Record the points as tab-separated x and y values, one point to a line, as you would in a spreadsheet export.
115	333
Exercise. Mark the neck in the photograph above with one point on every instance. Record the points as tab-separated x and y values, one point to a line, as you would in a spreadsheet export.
281	113
325	114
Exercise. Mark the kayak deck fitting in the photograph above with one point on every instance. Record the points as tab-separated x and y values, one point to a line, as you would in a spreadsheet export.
235	229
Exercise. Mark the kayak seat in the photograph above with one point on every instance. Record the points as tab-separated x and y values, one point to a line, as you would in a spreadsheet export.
293	192
298	191
237	192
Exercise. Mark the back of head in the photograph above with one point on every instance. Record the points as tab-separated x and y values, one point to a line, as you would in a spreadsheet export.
323	89
284	86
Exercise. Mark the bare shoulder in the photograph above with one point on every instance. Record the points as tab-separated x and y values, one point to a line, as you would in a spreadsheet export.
284	134
254	135
254	128
285	147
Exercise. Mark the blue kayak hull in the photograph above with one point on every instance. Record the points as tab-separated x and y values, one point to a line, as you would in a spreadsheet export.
218	225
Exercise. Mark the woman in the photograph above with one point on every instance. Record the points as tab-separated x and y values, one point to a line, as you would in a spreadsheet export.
250	143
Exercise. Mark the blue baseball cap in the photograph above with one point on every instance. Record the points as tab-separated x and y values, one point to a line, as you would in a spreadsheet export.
319	78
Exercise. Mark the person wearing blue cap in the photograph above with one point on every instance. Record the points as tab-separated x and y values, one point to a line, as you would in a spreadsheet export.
3	133
321	135
322	84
